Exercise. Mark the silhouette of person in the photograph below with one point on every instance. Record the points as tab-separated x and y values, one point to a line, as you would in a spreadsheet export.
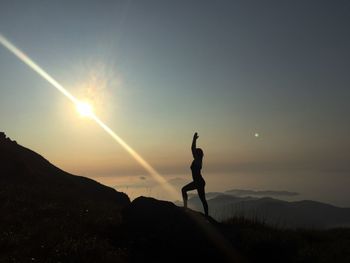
198	181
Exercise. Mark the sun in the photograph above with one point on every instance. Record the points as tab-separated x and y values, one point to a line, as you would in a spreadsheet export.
85	109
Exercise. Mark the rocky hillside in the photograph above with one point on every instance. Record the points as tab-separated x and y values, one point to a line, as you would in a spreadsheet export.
47	213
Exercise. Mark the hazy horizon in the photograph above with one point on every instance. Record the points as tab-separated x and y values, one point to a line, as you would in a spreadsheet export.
158	71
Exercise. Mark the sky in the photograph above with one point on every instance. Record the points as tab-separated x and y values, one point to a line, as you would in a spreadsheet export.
157	71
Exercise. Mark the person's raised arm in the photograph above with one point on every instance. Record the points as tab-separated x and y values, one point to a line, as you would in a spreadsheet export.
193	147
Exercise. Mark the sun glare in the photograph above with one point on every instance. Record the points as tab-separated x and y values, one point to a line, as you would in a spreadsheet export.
85	109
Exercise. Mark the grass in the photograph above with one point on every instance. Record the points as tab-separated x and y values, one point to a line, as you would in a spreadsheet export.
38	226
259	241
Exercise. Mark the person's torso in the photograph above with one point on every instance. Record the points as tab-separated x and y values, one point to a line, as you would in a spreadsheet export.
196	167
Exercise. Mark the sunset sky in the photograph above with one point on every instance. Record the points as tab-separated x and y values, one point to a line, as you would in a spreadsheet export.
157	71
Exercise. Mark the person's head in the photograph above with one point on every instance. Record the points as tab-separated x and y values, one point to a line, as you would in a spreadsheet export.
199	152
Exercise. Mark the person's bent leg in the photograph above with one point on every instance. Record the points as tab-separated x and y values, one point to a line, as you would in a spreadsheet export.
201	194
185	189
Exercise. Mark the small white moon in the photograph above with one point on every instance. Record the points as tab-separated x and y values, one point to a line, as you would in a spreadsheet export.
256	135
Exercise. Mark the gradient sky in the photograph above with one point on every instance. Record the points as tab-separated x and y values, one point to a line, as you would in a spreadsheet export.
157	71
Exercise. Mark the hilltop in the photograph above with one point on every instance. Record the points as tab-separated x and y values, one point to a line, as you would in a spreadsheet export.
49	215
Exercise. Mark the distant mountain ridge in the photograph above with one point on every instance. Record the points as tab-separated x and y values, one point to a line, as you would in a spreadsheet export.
275	212
240	192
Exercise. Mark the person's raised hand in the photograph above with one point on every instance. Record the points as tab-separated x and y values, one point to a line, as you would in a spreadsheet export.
195	136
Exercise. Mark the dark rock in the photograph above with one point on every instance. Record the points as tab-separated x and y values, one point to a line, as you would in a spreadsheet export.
159	231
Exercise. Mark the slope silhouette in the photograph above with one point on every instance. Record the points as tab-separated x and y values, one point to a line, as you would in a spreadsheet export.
49	215
23	167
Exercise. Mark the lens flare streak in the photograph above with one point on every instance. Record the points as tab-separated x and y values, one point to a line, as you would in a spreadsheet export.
24	58
29	62
160	179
